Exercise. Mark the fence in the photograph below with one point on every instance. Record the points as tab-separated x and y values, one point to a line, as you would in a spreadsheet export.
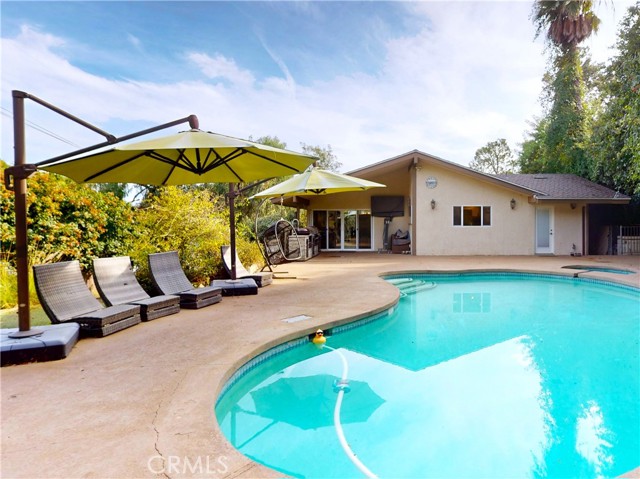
627	239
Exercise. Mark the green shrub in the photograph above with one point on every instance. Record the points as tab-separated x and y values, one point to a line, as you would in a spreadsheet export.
193	222
9	286
68	221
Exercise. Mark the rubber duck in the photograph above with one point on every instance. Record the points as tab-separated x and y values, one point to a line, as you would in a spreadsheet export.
319	338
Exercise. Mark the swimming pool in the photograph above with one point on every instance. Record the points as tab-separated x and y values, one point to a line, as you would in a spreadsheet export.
481	375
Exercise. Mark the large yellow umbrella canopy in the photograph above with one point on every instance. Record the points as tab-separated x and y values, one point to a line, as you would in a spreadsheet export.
315	182
188	157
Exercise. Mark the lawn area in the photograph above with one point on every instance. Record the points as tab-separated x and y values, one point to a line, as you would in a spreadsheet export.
9	317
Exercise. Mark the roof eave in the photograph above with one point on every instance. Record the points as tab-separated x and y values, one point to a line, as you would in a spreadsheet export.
592	201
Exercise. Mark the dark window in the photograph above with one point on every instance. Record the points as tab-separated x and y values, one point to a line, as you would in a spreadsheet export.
472	215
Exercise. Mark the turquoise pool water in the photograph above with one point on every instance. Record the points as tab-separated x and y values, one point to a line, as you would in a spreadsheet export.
470	376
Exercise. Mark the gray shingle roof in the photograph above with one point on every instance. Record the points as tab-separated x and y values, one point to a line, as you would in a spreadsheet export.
563	187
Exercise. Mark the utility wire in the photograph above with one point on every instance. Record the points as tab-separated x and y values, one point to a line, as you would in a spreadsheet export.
41	129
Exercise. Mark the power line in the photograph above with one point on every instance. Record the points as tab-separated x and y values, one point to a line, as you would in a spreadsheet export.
41	129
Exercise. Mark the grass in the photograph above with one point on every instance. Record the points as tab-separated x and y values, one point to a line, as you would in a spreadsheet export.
9	317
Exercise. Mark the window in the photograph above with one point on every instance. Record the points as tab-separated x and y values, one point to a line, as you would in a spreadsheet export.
472	216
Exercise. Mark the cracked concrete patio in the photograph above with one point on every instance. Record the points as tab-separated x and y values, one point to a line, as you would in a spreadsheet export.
119	406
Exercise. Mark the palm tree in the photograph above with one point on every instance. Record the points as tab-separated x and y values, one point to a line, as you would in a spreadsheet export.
568	22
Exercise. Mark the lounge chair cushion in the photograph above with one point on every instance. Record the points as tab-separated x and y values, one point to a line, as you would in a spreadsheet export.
117	284
262	278
169	278
236	287
65	297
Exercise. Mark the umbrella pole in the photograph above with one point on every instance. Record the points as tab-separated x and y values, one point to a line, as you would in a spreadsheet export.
232	227
20	194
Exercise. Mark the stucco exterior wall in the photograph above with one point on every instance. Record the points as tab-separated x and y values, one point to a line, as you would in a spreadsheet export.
511	231
567	228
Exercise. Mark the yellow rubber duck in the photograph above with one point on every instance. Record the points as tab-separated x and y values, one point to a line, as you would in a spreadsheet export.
319	337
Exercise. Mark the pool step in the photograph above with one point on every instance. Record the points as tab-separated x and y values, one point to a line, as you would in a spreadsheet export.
411	285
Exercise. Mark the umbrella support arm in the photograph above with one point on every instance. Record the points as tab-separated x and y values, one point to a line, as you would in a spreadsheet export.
16	181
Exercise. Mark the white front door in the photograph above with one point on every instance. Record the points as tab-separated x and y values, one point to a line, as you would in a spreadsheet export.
544	230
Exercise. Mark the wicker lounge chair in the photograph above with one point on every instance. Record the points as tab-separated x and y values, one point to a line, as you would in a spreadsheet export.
65	297
117	284
168	277
262	278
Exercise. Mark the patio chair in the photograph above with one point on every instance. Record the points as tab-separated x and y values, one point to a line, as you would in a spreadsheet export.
168	278
262	278
65	297
117	284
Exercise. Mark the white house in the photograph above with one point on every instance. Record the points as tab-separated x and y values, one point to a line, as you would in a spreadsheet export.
449	209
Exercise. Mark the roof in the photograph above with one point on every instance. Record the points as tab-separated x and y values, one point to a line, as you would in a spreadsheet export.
541	187
412	158
555	186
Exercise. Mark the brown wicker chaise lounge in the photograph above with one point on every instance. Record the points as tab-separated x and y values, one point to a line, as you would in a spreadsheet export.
262	278
168	278
117	284
65	297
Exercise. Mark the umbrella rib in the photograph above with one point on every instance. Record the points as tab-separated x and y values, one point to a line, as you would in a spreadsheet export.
113	167
183	158
224	161
271	160
166	178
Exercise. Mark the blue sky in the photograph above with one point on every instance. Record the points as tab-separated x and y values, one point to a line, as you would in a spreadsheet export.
371	79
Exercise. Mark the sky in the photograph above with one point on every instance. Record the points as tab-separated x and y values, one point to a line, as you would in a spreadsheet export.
371	80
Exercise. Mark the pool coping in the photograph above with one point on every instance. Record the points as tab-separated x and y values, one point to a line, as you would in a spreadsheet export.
147	393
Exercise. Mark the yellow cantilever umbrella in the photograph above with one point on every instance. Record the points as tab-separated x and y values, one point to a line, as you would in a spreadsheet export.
188	157
317	182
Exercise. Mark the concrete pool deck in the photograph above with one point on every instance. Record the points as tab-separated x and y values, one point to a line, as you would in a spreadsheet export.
139	403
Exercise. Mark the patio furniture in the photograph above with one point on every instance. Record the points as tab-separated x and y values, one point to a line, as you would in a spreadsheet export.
236	287
65	297
401	242
280	243
117	284
262	278
168	278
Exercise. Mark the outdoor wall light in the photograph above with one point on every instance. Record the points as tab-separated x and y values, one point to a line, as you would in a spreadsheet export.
573	206
513	203
433	204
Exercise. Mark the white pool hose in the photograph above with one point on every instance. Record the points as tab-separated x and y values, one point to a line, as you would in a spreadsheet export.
342	385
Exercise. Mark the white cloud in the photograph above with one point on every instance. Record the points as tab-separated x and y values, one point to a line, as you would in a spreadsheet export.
469	75
220	67
134	41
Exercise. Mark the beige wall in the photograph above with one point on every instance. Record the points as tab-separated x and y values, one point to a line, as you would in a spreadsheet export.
511	231
567	228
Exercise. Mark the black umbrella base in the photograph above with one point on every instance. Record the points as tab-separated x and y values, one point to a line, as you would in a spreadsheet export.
54	342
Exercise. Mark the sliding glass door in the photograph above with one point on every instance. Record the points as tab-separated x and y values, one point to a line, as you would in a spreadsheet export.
343	229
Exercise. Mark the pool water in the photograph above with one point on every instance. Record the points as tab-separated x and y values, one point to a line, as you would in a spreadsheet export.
483	376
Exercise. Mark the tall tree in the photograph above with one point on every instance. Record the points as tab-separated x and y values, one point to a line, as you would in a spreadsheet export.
326	158
615	145
494	158
566	24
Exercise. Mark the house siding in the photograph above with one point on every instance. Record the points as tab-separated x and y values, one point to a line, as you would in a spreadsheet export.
511	231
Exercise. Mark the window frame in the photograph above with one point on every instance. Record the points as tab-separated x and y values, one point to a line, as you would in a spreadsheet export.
458	214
